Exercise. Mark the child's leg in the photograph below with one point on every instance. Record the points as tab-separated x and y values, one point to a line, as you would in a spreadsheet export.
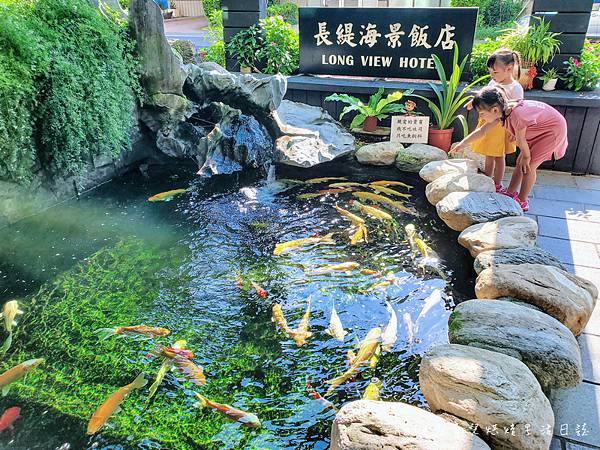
499	167
515	181
489	166
528	181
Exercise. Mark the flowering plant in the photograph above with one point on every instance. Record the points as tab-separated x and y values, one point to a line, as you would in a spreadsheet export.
583	73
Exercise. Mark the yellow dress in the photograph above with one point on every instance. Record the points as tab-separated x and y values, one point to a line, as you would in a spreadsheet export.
495	142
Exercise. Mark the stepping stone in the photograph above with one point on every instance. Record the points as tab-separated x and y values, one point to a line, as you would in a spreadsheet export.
509	232
365	424
460	210
518	255
379	154
454	182
468	153
414	157
436	169
544	344
568	298
490	389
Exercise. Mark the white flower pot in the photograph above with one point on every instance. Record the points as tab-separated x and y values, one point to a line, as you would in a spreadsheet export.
550	85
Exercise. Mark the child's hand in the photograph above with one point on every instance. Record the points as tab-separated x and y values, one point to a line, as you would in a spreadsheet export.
523	162
456	148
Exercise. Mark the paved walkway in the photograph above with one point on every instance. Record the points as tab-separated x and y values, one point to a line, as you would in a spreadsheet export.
567	210
189	29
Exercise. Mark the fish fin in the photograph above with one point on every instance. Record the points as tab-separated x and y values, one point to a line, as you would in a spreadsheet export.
329	332
14	323
5	390
202	403
105	333
139	382
7	344
118	409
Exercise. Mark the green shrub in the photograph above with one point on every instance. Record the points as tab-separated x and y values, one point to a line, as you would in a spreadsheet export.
124	4
493	12
280	51
216	51
479	56
245	46
289	12
210	6
186	50
583	73
67	82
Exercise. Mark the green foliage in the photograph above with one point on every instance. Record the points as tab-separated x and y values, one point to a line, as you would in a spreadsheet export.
377	106
449	100
583	74
548	75
281	48
535	43
479	56
67	80
124	4
493	12
210	6
289	12
186	50
216	51
245	46
483	32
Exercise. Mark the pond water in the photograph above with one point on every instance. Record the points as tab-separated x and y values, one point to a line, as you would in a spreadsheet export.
112	258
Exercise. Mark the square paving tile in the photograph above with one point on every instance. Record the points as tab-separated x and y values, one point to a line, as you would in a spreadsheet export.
548	178
565	194
593	325
576	413
575	230
590	357
588	182
571	252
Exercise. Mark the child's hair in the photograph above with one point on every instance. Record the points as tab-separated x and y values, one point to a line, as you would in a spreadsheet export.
506	57
489	97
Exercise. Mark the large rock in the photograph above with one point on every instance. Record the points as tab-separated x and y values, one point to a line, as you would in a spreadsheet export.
568	298
414	157
509	232
436	169
308	135
455	182
379	154
460	210
517	255
252	95
544	344
370	425
491	389
468	153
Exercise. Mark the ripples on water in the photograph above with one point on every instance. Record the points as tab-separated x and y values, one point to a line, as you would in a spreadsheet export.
230	226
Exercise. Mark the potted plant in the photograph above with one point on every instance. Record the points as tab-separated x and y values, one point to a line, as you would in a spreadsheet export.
583	73
550	79
536	44
448	101
244	46
376	109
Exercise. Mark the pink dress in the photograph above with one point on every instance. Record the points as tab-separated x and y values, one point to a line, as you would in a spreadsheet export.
546	129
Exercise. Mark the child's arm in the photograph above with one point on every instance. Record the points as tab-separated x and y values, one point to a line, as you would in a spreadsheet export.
474	136
525	153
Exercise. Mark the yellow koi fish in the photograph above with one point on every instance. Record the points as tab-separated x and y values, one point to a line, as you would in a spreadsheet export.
381	199
372	392
389	191
9	312
369	272
136	329
368	348
391	183
166	365
308	195
301	334
379	285
390	332
245	418
375	358
335	190
343	267
361	234
313	240
111	404
350	357
279	319
166	196
345	184
16	373
356	220
194	373
324	180
336	329
372	211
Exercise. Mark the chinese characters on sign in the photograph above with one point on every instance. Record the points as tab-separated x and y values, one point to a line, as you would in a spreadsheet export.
410	129
383	42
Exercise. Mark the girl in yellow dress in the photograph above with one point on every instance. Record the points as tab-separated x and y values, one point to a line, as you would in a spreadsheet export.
496	143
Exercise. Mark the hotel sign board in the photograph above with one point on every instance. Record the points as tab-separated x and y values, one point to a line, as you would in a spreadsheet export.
383	42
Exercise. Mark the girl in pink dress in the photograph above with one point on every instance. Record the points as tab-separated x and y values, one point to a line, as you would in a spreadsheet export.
539	130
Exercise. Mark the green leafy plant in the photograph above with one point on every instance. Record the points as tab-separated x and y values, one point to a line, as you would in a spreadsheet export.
493	12
289	12
210	6
280	51
583	73
449	99
550	74
185	49
535	43
377	106
216	51
479	56
245	46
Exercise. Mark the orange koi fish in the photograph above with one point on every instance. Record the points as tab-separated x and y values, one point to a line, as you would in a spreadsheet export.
111	404
9	417
388	191
136	329
194	373
382	199
335	190
245	418
166	196
16	373
324	180
166	365
391	183
301	334
259	291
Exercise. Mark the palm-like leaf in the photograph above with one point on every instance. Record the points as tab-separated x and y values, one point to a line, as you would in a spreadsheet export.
357	121
374	99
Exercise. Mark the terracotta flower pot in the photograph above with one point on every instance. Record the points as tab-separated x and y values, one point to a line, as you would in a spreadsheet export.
528	74
370	124
440	138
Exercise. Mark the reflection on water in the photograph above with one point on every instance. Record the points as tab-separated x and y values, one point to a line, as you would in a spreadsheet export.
113	256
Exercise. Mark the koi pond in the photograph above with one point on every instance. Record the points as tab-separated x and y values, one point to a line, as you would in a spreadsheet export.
202	266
